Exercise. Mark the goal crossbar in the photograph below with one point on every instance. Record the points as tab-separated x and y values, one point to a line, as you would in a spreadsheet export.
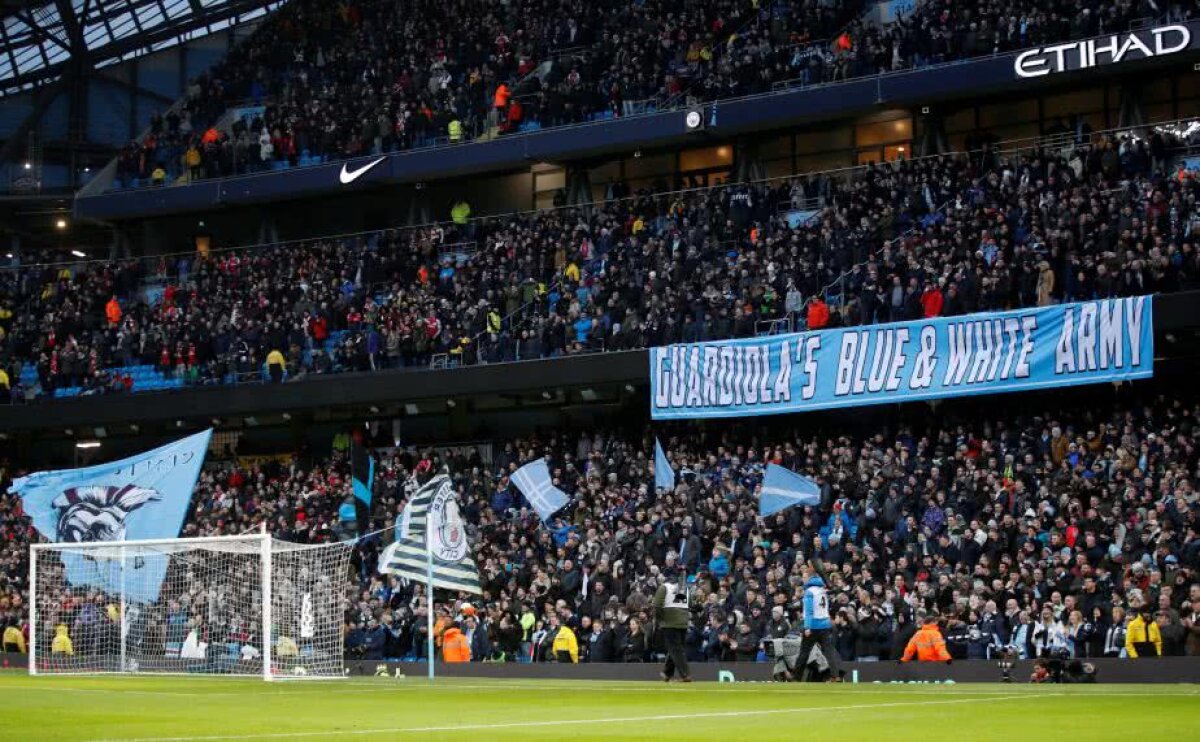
183	542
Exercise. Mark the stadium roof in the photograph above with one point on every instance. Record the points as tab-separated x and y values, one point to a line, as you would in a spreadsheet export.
40	38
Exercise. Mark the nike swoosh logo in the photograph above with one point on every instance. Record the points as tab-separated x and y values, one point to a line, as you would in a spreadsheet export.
349	176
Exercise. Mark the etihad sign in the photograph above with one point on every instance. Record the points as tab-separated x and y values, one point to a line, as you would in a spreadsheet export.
1079	55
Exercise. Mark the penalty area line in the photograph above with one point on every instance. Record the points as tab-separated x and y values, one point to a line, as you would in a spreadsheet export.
576	722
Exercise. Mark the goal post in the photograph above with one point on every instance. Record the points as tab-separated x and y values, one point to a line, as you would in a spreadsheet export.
227	605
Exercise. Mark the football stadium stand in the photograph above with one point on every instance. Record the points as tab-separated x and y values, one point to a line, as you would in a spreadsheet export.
1068	219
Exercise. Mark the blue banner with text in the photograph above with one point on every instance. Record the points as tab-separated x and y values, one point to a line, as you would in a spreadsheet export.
1063	345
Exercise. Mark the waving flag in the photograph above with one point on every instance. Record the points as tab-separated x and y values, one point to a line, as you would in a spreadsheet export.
362	478
141	497
433	513
783	488
362	472
533	480
664	475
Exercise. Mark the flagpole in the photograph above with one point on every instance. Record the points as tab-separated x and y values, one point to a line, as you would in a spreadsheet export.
429	598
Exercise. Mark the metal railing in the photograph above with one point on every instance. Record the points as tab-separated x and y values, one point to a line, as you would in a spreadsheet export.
1001	147
780	326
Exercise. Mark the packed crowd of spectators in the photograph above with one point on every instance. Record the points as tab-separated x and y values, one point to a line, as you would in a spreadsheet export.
937	236
1041	525
359	77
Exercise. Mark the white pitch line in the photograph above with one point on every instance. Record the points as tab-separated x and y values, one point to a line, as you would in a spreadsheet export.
575	722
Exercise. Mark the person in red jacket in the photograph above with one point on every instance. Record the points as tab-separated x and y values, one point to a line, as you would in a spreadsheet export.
932	300
927	644
818	313
112	311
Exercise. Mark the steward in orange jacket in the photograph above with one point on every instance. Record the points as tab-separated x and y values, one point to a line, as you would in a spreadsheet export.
112	310
454	645
927	644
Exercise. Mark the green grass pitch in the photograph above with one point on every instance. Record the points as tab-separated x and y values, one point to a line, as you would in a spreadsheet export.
183	709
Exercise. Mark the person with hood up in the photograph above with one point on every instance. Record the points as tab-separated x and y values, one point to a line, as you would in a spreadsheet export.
1142	637
818	626
455	647
62	641
927	645
112	311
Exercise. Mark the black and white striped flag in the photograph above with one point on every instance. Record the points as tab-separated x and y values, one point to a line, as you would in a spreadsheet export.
433	509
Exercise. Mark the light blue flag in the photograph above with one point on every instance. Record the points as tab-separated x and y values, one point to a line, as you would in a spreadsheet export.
141	497
783	488
533	480
664	475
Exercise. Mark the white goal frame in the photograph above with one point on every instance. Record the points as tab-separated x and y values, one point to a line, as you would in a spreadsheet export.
262	542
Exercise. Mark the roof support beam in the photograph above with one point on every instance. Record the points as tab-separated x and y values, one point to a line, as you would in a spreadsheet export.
194	17
43	34
66	11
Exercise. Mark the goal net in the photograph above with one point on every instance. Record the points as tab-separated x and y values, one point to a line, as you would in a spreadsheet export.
233	605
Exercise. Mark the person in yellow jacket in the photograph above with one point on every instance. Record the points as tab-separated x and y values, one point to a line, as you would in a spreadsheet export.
62	641
927	644
566	647
528	622
14	639
286	646
455	129
460	212
1142	637
275	364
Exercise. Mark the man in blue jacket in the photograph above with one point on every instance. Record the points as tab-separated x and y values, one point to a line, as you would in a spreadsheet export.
818	626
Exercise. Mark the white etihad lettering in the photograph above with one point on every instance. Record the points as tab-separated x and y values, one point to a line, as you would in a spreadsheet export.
1109	50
